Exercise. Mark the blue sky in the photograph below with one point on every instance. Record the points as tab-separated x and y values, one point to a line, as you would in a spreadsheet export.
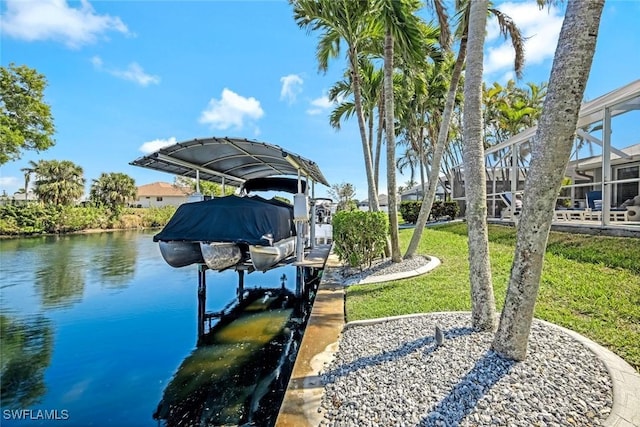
125	77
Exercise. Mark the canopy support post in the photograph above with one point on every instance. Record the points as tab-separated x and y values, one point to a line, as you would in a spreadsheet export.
312	227
202	299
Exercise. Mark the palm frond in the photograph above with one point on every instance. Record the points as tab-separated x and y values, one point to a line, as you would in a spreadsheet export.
508	28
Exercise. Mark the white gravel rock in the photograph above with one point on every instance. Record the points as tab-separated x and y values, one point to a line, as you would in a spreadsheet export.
393	374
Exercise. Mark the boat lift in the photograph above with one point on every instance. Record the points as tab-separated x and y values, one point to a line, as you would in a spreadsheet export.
234	161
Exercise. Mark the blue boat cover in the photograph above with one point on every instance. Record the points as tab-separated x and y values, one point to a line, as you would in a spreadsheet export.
230	219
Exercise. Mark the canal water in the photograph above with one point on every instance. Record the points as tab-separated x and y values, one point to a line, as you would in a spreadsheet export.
97	330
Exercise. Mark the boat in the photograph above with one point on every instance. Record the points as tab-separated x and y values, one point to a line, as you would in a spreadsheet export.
220	255
226	380
263	257
227	231
180	254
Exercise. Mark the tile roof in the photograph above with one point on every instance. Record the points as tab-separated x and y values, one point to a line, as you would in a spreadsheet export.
159	189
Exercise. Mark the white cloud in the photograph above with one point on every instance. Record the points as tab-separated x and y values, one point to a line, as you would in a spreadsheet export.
156	144
134	72
291	88
37	20
231	110
319	105
540	28
9	181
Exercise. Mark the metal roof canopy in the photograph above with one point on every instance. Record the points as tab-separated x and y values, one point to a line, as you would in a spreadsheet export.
233	160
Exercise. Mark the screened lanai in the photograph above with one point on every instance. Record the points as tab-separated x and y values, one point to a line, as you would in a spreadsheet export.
602	177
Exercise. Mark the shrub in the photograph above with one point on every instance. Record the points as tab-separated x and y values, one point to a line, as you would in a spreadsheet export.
359	236
444	209
156	217
75	218
410	210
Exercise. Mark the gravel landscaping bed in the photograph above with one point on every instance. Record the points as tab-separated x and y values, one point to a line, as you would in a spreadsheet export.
381	267
393	374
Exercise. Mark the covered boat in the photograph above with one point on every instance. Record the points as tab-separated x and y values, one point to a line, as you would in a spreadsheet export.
225	231
230	231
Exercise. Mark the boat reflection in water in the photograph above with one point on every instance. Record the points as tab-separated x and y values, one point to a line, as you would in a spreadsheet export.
238	373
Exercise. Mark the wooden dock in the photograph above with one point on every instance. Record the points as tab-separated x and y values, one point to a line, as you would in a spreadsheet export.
316	258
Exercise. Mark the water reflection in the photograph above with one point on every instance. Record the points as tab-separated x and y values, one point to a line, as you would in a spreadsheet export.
228	379
114	258
25	350
60	273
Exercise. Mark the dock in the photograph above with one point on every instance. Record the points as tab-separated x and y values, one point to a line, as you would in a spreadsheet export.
315	258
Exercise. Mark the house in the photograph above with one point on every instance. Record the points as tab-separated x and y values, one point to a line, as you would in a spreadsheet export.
383	202
159	194
606	125
415	193
624	167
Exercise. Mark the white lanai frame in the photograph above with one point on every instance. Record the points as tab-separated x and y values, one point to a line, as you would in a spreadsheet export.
515	150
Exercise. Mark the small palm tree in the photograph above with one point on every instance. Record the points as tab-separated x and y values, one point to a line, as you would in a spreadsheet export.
28	171
113	190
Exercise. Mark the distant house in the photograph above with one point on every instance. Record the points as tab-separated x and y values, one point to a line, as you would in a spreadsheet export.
159	194
20	197
415	193
383	202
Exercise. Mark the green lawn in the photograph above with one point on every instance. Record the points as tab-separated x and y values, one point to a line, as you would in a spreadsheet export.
590	284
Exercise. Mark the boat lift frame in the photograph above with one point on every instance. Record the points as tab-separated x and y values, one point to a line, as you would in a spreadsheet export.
233	161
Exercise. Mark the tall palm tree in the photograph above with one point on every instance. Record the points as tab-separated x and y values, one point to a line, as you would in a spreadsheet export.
347	21
58	182
507	28
551	151
404	34
371	86
483	316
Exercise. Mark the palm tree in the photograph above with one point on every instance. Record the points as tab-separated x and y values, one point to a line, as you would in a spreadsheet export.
371	86
113	190
482	299
405	34
507	28
28	171
58	182
551	151
409	159
347	21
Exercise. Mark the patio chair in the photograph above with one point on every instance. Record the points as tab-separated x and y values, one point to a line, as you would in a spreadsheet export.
594	200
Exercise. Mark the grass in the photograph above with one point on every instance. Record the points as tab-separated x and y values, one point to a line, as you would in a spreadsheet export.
590	284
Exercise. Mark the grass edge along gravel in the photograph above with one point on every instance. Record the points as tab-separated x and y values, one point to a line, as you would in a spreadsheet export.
590	284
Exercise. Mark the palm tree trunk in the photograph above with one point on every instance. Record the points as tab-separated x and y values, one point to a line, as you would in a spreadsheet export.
429	196
376	165
372	148
551	152
391	148
482	300
366	150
